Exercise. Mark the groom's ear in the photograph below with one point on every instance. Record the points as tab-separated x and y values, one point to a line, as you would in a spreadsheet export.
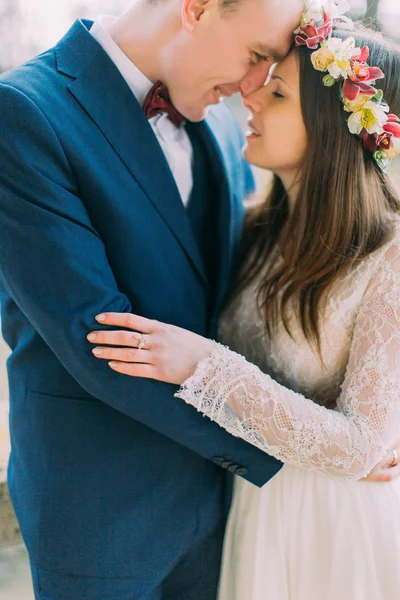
197	12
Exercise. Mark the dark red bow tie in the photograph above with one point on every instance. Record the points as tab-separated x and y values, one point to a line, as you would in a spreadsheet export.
158	101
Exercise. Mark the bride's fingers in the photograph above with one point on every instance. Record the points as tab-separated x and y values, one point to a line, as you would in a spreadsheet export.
389	472
134	369
123	354
384	471
128	320
392	473
386	474
116	338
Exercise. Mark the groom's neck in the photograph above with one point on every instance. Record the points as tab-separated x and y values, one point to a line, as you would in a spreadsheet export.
142	31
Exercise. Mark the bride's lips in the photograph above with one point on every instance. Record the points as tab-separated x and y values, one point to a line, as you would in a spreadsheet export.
253	132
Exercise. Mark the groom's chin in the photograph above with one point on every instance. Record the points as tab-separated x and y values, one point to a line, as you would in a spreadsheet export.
195	115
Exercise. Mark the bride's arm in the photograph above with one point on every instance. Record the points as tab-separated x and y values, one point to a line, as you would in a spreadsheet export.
346	443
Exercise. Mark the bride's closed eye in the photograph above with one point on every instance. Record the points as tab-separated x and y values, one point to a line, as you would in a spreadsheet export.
277	95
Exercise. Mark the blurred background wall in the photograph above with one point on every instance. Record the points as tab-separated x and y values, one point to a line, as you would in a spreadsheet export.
28	27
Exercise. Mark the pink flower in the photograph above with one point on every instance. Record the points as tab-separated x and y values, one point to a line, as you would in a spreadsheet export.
351	90
384	141
369	140
393	126
311	35
359	75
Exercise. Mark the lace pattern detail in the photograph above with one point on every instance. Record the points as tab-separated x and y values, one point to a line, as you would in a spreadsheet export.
346	442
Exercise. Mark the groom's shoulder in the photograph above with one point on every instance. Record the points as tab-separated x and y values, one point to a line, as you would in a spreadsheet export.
27	95
33	77
44	78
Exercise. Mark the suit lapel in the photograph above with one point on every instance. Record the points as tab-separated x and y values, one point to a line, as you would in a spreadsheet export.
116	112
214	144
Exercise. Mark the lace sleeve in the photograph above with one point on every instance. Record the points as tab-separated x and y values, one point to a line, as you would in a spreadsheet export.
347	442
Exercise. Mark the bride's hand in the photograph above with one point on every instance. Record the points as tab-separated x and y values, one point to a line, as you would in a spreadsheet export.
146	348
388	469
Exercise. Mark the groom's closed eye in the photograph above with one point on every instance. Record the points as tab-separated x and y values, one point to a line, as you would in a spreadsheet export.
269	53
256	58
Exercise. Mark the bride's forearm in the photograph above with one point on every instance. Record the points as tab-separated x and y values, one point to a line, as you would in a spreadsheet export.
286	425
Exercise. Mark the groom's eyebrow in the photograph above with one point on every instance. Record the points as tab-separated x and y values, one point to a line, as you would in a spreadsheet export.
268	51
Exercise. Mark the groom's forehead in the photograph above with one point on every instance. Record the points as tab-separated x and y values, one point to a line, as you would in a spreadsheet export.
270	27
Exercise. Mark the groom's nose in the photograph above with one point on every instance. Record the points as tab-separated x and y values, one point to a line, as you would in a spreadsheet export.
255	78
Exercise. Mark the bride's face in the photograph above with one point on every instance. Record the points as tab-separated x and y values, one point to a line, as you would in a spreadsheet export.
277	139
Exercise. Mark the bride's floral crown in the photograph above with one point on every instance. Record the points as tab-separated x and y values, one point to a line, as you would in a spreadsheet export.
347	65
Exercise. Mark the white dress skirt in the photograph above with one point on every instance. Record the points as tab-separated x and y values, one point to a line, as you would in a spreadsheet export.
305	536
316	531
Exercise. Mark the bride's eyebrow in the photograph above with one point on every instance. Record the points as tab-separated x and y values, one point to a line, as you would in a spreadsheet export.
281	79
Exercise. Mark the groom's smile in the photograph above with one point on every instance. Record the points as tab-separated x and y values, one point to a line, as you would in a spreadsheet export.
223	51
203	50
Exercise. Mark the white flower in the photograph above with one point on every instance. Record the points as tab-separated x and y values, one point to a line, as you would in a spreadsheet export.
372	118
343	51
336	8
314	5
310	4
343	48
313	12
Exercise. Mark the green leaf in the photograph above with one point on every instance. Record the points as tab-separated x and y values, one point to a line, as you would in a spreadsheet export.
378	96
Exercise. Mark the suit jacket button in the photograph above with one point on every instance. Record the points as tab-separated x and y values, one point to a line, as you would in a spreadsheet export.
241	471
233	468
219	460
227	463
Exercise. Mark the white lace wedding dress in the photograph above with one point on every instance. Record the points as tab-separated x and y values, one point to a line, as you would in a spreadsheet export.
314	532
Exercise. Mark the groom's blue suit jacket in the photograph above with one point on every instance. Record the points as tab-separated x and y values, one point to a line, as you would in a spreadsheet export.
110	476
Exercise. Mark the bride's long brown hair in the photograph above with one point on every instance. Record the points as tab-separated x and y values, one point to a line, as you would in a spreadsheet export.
341	212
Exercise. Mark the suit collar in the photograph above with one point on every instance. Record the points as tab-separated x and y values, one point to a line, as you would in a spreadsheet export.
76	50
214	137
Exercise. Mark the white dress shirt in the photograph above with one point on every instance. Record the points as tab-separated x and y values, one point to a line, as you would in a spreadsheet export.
174	141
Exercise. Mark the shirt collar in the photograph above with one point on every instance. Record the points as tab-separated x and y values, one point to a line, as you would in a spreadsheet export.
137	81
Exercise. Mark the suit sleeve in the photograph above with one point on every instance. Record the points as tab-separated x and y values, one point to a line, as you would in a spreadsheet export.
54	266
250	185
